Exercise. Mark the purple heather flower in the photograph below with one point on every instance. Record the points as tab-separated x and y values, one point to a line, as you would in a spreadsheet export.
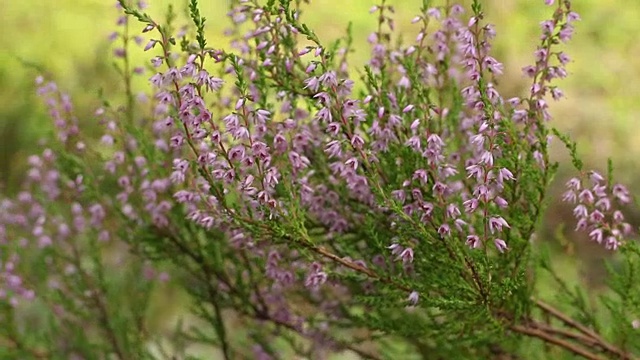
471	205
316	276
413	298
496	223
572	16
395	248
473	241
595	177
586	196
150	45
406	255
500	244
574	184
621	193
597	235
502	203
444	230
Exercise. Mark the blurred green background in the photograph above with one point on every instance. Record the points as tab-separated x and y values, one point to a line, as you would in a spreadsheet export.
68	40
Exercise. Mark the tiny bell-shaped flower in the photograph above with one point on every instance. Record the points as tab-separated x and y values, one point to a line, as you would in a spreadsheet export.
496	224
500	244
473	241
406	255
413	298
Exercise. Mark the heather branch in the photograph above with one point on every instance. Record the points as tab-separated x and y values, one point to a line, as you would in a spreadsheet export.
453	254
97	301
597	340
14	343
533	332
307	243
582	339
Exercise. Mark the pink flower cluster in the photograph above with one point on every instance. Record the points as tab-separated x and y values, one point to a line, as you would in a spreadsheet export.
597	208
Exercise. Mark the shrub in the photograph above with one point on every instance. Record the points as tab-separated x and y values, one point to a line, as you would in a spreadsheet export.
307	210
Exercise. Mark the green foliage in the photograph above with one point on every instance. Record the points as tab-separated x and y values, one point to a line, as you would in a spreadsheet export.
572	147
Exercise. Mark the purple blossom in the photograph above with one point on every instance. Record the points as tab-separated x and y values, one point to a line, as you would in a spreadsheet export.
413	298
496	223
473	241
500	244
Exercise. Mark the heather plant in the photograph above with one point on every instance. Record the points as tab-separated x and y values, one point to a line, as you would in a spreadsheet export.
308	208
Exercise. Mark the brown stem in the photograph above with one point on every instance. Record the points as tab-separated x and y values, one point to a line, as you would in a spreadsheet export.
581	328
11	343
351	265
563	332
537	333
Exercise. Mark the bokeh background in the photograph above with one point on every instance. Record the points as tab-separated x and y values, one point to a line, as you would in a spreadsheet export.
69	41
